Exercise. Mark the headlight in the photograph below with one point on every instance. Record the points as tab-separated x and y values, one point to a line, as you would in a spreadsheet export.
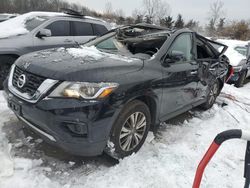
84	90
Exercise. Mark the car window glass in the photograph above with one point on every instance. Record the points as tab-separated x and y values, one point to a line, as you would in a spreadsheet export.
83	29
3	16
59	28
203	50
181	49
99	29
108	44
242	50
32	23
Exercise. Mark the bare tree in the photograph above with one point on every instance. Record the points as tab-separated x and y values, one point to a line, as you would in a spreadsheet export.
108	8
56	4
135	13
162	9
156	9
119	13
215	13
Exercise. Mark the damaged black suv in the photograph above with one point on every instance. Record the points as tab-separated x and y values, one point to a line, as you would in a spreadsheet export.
107	94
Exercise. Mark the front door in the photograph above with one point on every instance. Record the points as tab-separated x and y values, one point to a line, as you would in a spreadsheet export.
180	75
60	36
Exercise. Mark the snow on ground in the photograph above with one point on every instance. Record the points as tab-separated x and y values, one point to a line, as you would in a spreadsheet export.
168	159
6	27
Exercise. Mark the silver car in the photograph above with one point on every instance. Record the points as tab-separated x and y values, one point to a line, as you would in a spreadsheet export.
42	30
4	17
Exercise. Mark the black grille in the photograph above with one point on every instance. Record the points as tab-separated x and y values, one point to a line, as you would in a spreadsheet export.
33	81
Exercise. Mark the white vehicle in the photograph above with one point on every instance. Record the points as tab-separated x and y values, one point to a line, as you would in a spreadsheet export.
4	17
36	31
237	54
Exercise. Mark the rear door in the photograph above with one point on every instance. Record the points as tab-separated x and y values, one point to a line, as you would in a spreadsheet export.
180	76
61	36
82	31
99	30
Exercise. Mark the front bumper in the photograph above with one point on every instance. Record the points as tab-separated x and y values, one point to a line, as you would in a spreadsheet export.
78	127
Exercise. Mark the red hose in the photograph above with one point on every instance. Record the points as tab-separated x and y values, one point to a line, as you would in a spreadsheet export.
209	154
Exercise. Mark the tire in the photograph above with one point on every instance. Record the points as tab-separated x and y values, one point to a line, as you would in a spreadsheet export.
213	93
128	137
240	82
5	64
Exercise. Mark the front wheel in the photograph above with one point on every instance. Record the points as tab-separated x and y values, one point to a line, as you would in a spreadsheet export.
130	130
213	93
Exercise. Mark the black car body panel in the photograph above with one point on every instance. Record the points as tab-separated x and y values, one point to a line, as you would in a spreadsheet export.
55	64
83	126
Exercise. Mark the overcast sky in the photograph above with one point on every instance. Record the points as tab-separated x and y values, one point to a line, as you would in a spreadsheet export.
190	9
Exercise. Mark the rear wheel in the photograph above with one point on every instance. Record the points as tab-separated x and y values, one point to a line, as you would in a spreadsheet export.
5	64
214	91
130	130
240	82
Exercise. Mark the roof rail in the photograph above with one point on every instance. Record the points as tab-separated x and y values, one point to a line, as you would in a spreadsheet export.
72	12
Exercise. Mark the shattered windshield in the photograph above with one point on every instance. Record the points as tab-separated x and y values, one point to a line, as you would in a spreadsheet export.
110	44
131	41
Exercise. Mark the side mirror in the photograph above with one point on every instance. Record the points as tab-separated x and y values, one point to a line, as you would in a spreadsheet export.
44	33
174	56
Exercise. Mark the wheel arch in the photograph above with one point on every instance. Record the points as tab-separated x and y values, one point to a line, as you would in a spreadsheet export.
151	102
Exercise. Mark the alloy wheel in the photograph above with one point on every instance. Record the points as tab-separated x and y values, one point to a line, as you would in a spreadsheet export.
132	131
213	94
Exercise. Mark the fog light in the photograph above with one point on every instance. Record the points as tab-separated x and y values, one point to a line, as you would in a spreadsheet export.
77	129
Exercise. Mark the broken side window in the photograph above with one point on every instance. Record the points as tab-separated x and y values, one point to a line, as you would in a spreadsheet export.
203	50
147	44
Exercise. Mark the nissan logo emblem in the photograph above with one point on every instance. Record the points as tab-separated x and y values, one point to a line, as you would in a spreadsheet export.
21	81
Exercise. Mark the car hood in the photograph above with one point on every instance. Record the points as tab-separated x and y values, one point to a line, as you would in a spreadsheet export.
78	64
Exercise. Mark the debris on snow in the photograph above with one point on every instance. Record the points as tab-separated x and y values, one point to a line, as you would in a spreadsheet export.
71	163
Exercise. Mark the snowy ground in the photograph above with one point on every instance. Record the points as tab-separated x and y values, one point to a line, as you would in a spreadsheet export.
167	160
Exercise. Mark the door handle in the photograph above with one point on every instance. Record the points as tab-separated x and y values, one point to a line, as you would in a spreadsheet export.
193	72
67	40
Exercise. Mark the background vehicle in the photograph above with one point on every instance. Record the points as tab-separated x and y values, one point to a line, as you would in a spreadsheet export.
42	30
116	88
237	54
4	17
248	53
